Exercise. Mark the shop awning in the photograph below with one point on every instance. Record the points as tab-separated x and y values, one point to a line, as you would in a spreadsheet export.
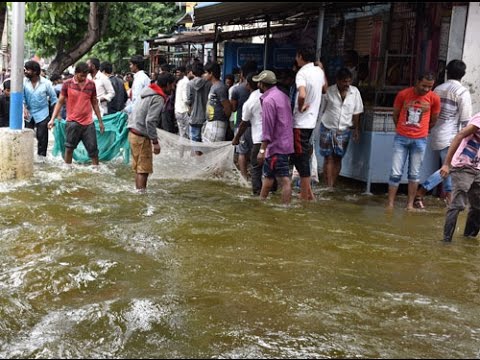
235	13
230	13
196	37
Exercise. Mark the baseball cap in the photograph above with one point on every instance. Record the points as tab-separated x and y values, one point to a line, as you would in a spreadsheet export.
266	76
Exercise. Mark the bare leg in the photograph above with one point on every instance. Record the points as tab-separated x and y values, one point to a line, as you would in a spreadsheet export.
392	192
337	167
141	181
412	191
95	160
68	155
286	189
242	164
306	192
421	191
266	186
328	170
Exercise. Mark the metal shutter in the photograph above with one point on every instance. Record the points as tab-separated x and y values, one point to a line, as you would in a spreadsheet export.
363	35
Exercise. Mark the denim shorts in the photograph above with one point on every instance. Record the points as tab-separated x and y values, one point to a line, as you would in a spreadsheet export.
195	133
276	166
403	148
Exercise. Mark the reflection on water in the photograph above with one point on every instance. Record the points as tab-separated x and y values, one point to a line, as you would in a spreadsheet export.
200	269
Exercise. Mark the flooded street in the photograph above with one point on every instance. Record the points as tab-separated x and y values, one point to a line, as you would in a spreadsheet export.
201	269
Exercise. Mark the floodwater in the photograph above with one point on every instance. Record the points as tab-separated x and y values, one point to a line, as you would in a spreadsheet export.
201	269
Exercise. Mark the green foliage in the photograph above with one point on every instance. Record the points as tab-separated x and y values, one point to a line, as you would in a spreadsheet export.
55	27
129	25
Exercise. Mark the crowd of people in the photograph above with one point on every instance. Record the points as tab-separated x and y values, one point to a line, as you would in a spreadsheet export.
273	119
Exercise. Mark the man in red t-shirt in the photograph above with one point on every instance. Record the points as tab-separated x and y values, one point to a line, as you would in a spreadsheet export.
80	95
415	112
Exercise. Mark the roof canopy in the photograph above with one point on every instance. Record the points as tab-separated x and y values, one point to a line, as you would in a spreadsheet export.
230	13
286	16
235	13
193	37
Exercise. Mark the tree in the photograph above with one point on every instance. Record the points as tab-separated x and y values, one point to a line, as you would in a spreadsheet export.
69	31
144	20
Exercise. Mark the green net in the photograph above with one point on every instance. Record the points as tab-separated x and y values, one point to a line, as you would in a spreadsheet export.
111	144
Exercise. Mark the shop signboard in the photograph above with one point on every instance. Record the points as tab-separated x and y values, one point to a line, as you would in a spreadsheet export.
283	58
249	53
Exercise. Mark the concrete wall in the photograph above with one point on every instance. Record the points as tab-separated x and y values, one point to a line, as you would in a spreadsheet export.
471	54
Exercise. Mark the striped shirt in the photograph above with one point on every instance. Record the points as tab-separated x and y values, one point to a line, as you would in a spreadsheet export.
468	153
79	100
455	111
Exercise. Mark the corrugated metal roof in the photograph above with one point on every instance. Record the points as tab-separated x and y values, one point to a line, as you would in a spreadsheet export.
245	12
231	13
209	36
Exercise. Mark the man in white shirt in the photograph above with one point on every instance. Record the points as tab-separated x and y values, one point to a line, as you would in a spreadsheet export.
455	112
309	82
340	114
181	107
140	80
252	118
103	86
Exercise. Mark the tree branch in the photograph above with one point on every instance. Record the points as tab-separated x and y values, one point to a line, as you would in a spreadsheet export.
97	25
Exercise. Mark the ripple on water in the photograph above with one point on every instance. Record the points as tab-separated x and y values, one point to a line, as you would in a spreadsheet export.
136	240
88	268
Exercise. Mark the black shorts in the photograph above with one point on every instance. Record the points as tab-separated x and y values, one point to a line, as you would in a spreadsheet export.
74	132
303	147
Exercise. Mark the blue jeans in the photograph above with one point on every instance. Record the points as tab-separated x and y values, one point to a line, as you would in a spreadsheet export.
195	133
404	147
435	179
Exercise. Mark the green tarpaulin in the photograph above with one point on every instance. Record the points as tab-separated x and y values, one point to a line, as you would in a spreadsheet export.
111	144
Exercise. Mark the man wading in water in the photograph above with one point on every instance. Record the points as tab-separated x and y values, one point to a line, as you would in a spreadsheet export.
80	95
143	127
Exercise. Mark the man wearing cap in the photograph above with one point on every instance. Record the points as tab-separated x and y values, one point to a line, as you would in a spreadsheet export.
310	80
277	136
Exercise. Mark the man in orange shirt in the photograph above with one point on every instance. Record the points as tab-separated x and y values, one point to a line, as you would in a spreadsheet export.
415	112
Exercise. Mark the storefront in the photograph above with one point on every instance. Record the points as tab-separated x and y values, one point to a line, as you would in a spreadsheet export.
386	44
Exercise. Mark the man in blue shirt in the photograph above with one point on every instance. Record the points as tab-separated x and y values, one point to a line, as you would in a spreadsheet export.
39	95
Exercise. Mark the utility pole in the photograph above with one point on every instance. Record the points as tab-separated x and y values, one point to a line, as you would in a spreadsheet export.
16	83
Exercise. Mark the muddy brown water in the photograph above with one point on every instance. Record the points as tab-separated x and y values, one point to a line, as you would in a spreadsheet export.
201	269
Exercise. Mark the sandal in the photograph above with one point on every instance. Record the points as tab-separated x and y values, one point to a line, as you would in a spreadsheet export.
418	203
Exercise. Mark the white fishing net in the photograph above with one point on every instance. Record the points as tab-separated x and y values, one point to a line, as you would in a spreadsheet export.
178	160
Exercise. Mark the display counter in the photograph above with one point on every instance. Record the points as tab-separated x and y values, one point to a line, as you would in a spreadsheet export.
370	160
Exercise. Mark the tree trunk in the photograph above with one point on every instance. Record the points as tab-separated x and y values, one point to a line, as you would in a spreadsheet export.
97	25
